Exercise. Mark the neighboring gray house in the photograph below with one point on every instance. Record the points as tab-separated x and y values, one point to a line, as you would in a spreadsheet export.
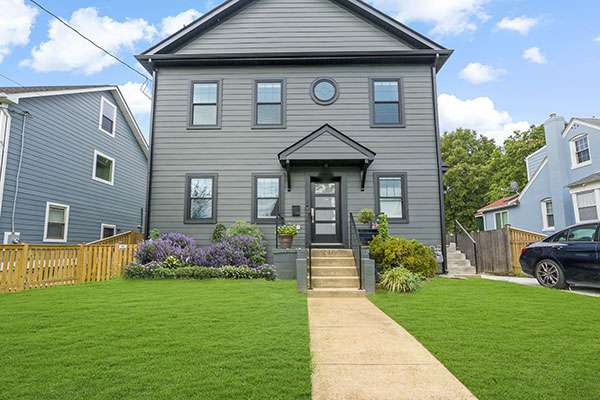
312	109
564	181
73	164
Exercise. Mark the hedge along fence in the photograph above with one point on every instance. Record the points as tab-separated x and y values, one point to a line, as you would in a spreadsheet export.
28	266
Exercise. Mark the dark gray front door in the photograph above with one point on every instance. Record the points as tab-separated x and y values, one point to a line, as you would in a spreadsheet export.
326	224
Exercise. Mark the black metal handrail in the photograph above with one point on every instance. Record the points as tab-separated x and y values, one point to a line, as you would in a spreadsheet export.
279	221
474	243
355	245
308	242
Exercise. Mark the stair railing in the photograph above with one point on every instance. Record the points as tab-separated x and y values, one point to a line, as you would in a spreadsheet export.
458	227
355	245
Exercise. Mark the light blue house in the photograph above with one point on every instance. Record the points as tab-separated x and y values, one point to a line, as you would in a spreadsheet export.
564	181
73	164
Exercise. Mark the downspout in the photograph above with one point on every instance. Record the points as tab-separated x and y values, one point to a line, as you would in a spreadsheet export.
439	164
14	207
150	156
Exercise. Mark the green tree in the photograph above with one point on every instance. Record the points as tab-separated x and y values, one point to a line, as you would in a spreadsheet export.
469	157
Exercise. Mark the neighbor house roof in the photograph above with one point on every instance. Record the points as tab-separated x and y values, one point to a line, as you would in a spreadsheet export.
595	177
591	121
509	201
13	94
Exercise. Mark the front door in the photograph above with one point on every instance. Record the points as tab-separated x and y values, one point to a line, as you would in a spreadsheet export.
326	224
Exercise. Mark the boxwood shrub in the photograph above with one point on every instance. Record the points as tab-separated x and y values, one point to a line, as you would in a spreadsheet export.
393	252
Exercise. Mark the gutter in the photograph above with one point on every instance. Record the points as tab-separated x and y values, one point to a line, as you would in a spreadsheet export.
151	155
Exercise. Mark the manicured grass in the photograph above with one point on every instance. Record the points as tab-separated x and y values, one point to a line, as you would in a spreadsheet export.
506	341
156	340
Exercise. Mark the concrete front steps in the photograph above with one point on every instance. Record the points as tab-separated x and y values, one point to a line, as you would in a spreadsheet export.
458	264
334	274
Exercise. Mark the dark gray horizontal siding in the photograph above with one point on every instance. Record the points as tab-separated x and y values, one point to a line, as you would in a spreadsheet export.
236	151
60	138
293	25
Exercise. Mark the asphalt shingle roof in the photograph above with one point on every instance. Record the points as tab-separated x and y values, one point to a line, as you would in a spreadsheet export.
588	179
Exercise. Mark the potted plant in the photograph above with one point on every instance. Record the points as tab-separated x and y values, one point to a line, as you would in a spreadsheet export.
367	217
286	235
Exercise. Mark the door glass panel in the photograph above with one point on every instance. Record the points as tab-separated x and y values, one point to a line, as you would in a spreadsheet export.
325	215
325	201
325	229
325	188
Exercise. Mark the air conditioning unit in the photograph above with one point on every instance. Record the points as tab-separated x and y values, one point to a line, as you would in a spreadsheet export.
12	237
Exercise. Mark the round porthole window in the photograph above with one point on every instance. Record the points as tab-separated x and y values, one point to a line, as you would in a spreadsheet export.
324	91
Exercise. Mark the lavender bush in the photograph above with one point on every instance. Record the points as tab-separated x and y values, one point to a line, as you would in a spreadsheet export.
175	244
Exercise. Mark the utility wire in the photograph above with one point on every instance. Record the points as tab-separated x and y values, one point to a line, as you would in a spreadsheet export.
11	80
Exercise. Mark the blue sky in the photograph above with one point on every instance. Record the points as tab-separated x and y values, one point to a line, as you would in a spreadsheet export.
488	84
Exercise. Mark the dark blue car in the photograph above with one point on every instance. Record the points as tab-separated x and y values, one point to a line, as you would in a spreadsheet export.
568	258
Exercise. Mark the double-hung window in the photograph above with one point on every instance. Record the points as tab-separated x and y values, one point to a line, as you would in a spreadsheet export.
269	104
580	151
547	214
108	117
501	219
390	193
57	222
267	192
586	205
206	105
386	103
201	199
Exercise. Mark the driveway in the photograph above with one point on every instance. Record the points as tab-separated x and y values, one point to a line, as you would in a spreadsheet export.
534	282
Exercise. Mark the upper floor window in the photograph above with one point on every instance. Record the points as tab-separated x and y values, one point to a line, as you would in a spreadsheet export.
586	206
57	222
267	198
269	104
201	199
205	108
547	214
104	168
386	103
501	219
108	117
580	151
390	193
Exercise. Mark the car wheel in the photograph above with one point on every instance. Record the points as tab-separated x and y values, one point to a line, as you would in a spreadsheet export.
549	274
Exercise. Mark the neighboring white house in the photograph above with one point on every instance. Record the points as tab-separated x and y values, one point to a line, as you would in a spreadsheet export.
564	181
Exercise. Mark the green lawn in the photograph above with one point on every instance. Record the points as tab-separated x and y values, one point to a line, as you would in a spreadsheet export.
156	340
506	341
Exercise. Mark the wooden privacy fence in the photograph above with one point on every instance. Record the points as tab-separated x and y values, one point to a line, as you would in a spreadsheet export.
497	251
26	266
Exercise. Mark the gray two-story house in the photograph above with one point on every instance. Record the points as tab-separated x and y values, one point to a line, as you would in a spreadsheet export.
312	109
73	164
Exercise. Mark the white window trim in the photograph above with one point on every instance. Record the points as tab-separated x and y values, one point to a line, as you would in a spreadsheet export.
5	133
102	226
112	171
543	205
574	163
596	189
507	218
66	235
103	101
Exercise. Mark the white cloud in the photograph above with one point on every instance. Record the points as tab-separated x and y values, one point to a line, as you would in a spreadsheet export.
135	98
518	24
449	16
16	20
479	114
66	51
477	73
170	25
534	55
597	39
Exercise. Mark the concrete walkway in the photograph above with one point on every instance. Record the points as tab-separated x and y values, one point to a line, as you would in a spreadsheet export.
533	282
360	353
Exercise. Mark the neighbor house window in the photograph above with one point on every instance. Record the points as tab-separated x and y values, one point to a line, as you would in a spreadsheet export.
501	219
108	117
586	206
391	196
580	151
386	102
107	230
269	100
57	222
104	168
205	109
547	214
201	202
267	198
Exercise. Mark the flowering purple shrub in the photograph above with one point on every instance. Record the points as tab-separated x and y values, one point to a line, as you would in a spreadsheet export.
253	249
175	244
220	254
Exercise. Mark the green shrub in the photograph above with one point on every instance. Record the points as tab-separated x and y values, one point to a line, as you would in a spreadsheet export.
198	273
400	280
241	228
393	252
163	273
382	223
172	262
287	230
154	234
136	271
218	233
366	216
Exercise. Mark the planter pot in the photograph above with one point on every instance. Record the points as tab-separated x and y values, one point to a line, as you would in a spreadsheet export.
366	234
285	242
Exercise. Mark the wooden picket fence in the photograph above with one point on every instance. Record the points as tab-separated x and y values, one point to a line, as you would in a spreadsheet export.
27	266
128	237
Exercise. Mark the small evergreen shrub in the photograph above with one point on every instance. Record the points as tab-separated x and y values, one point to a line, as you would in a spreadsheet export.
400	280
393	252
157	271
241	228
366	216
218	233
163	273
382	223
198	273
154	234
